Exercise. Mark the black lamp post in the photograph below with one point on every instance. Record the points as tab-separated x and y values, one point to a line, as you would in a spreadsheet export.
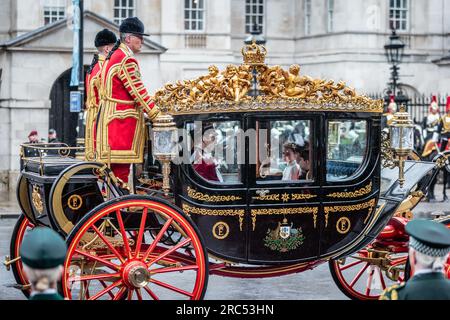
394	51
256	37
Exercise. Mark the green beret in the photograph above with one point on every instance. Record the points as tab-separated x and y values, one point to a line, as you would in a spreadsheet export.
429	237
43	248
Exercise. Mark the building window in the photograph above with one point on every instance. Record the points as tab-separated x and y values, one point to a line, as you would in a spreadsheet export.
330	19
123	9
398	14
194	15
307	16
254	15
54	10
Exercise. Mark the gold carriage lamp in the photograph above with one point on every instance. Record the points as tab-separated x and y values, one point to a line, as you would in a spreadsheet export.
164	145
402	139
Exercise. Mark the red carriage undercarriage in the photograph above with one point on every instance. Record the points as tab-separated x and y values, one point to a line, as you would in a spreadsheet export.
181	227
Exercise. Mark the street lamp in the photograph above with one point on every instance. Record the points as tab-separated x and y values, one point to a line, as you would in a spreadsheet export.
394	50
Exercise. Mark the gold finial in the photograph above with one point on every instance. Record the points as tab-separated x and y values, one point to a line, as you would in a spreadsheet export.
254	54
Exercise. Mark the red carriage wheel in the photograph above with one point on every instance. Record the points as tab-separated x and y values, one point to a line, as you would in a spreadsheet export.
20	229
361	280
104	262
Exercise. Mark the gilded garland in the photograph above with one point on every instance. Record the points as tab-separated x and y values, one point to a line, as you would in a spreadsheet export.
352	194
188	209
360	206
284	211
284	90
197	195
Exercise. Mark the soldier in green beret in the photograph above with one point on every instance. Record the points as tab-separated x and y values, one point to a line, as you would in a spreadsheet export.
43	252
429	245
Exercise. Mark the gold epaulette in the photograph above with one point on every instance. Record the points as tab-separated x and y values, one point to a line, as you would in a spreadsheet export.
391	292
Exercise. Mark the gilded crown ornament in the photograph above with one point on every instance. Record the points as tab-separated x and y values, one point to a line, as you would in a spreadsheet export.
254	54
279	89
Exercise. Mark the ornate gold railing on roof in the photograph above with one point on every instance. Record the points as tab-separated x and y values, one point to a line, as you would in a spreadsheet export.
228	91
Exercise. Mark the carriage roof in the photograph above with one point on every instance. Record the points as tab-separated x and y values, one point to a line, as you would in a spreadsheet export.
277	90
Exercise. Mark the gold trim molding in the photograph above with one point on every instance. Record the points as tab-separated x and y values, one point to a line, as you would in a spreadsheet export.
360	206
352	194
284	211
197	195
285	197
215	212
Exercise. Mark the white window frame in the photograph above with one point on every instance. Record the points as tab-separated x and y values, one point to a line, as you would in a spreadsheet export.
403	13
307	7
124	5
190	19
330	15
258	15
54	10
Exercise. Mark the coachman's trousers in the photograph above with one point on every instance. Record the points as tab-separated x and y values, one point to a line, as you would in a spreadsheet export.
121	171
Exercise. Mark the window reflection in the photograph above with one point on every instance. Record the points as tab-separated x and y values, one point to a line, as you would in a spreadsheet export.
347	142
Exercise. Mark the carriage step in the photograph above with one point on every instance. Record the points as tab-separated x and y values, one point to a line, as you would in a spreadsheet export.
18	286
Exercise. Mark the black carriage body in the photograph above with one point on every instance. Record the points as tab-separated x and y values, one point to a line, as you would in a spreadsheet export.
240	221
36	187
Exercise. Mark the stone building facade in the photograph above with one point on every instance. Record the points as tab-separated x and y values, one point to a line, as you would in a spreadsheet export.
336	39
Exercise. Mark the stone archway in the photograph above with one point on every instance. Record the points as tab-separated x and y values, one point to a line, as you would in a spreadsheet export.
60	118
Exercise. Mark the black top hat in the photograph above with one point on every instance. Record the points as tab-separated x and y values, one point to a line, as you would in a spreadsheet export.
132	25
104	38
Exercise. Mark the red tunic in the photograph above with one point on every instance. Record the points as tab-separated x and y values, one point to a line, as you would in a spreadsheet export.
92	103
123	101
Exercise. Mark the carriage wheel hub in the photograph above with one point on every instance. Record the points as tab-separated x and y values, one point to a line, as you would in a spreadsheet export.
136	274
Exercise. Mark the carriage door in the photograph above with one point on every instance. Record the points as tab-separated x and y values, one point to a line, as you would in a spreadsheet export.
283	194
352	181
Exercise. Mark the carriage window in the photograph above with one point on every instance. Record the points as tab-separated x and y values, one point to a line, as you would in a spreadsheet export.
283	151
347	142
214	150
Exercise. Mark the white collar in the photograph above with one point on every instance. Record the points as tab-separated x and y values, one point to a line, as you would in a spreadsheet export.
129	50
424	271
47	291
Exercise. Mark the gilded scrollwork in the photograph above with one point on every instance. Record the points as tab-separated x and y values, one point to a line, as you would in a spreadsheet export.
188	209
285	90
387	154
36	198
197	195
355	207
284	211
284	197
352	194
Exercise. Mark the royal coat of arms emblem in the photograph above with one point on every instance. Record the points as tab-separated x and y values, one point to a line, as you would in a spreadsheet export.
284	237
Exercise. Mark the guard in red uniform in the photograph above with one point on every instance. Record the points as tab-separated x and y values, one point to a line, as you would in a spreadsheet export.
104	42
123	102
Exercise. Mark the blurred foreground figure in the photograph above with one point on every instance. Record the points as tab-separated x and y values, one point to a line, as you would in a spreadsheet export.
429	245
43	252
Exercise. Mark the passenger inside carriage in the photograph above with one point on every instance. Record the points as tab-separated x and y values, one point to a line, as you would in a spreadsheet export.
292	169
216	158
280	144
304	163
203	161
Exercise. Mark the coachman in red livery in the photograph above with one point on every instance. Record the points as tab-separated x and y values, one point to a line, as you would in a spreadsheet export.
123	100
104	42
